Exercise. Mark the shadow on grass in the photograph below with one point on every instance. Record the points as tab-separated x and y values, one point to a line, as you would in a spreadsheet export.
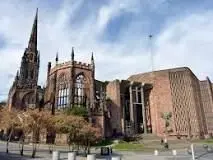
104	143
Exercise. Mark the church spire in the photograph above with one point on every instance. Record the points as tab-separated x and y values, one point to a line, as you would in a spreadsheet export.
92	57
56	58
32	45
92	60
72	54
17	75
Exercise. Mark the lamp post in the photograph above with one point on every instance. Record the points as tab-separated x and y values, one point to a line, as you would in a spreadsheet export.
189	126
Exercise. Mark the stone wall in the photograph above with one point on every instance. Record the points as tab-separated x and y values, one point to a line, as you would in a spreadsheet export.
113	93
70	70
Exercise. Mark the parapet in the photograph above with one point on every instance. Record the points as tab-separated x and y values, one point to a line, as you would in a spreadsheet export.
82	65
76	64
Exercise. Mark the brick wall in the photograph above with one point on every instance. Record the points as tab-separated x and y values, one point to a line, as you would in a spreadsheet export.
186	102
207	101
160	98
174	90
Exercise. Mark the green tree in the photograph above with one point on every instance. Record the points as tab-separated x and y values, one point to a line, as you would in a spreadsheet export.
77	110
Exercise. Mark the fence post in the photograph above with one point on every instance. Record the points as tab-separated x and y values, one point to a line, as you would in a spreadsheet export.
174	153
72	156
116	158
91	157
193	153
56	155
156	152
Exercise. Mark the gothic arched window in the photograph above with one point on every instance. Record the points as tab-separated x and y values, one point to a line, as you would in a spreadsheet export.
63	92
80	95
29	99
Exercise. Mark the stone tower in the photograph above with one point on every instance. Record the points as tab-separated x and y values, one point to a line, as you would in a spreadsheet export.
30	61
24	91
70	84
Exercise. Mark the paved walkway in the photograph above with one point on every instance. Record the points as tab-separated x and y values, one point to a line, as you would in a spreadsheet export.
43	154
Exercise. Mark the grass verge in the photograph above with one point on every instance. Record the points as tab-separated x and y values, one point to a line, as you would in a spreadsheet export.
104	143
130	147
209	141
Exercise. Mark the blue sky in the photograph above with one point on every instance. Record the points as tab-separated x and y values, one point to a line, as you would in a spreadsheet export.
115	30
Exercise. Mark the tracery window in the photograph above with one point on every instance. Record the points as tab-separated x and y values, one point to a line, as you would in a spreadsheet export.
29	98
80	95
63	92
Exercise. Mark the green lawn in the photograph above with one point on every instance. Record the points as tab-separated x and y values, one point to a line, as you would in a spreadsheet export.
104	143
209	141
148	146
128	146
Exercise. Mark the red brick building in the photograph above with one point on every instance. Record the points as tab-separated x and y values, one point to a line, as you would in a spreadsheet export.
179	91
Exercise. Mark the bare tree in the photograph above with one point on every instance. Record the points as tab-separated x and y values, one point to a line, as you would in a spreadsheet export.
70	125
89	135
10	121
36	122
79	132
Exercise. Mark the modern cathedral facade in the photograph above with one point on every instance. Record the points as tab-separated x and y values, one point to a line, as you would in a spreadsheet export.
119	107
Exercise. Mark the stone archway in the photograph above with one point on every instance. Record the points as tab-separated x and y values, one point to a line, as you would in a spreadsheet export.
29	100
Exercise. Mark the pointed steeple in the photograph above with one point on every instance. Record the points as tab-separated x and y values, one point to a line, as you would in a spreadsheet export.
56	58
17	75
72	54
32	45
92	62
92	58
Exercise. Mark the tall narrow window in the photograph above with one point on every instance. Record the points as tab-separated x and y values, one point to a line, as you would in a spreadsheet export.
32	73
63	92
80	95
26	74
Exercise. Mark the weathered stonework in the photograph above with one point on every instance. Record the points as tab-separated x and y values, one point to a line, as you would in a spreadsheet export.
67	74
25	92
